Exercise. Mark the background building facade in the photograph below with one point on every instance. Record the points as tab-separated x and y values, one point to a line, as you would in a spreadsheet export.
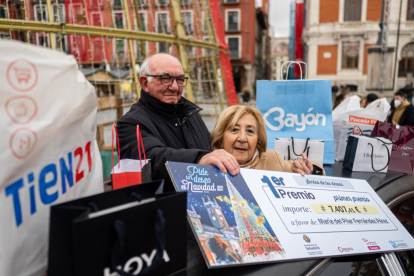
338	33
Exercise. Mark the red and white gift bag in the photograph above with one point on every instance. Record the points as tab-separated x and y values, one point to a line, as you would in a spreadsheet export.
128	171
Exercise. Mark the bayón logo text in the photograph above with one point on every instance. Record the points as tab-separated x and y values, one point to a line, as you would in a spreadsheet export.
275	119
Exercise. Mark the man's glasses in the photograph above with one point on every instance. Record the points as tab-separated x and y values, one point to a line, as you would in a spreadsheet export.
168	79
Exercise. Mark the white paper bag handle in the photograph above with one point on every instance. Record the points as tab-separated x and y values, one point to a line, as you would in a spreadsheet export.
288	63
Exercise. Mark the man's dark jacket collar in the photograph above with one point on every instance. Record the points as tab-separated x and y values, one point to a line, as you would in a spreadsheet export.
181	109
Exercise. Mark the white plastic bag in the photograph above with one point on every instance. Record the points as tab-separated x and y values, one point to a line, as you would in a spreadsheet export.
350	119
48	149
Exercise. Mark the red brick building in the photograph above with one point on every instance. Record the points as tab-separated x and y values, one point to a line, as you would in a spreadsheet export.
246	29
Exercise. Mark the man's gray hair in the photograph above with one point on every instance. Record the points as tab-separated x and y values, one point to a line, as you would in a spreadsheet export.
144	70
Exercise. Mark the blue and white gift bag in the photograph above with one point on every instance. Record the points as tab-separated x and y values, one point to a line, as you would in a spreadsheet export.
298	108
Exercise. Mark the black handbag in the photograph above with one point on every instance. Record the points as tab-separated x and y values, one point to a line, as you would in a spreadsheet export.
136	230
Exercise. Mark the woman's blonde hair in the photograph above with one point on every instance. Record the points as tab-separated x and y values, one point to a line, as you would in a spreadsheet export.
229	117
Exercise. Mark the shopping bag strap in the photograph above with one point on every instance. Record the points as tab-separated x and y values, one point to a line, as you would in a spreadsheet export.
115	130
293	147
307	152
119	246
299	63
372	155
392	134
140	144
399	138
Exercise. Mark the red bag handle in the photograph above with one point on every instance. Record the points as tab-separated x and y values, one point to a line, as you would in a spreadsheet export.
140	144
112	144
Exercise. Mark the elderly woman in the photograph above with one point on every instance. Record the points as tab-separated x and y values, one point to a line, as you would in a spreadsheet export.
240	130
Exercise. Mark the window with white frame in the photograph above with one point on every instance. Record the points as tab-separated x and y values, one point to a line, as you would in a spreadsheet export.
142	3
143	21
203	22
119	19
4	36
162	2
204	51
350	54
139	50
352	10
117	4
186	2
40	13
163	47
233	20
410	10
120	49
234	43
406	64
163	22
59	14
3	11
190	51
188	20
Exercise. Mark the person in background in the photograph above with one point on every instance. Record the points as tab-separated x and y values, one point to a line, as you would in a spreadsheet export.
171	126
240	130
369	99
409	90
246	95
340	98
403	113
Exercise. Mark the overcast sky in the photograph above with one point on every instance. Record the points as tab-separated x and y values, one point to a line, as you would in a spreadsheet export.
279	16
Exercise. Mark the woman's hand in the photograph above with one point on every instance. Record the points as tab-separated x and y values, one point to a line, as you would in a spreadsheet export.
223	160
303	166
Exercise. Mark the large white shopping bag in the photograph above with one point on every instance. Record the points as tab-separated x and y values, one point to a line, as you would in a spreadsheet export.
350	119
48	151
127	172
292	149
367	154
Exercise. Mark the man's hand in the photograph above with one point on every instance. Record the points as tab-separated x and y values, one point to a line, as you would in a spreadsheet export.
303	166
223	160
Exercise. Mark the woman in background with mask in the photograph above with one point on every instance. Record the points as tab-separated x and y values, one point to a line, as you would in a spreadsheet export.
403	114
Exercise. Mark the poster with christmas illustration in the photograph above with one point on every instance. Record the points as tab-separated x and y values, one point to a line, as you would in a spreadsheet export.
262	216
229	225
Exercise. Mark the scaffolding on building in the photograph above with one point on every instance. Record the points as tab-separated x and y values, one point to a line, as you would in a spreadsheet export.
111	38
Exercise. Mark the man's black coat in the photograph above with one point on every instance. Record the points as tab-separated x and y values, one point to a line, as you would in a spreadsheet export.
169	132
407	117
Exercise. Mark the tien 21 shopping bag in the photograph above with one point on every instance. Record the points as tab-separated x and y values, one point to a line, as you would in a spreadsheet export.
367	154
300	109
48	150
127	172
136	230
402	155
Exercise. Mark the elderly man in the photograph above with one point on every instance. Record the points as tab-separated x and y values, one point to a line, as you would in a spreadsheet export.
171	126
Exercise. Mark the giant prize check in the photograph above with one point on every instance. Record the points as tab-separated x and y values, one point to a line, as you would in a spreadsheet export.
265	216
